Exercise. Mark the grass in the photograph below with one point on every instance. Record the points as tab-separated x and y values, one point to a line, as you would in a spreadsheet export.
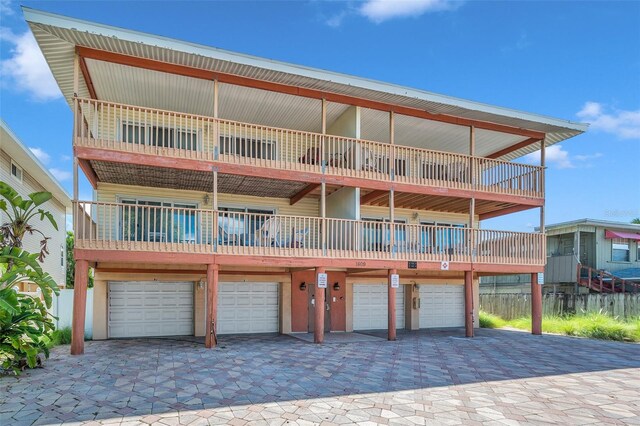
60	337
594	326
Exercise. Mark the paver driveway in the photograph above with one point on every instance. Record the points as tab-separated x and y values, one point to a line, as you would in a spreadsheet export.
499	377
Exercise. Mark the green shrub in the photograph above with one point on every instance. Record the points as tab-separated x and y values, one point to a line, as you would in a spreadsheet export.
488	320
594	326
60	337
25	324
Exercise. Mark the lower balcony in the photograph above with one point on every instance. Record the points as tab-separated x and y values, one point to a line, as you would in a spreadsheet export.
171	229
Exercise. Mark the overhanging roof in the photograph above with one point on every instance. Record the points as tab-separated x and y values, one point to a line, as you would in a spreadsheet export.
58	36
595	223
23	156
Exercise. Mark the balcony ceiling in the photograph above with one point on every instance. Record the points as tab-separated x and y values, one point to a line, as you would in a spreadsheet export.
58	36
191	180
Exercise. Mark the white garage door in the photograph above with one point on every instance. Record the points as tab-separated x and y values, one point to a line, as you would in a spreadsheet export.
370	307
146	309
247	308
441	306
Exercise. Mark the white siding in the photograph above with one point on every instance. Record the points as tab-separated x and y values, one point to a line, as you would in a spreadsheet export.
31	243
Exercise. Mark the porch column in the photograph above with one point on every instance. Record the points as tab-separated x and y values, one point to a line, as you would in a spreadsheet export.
391	307
79	306
468	303
210	339
536	305
318	329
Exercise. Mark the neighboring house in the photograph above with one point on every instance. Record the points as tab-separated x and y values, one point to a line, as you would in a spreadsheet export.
20	168
602	245
228	185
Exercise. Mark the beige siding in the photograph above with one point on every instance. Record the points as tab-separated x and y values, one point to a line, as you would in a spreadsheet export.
113	193
408	215
57	242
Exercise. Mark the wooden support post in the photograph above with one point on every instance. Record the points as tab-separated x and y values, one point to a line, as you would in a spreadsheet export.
214	206
79	306
318	330
468	303
323	216
536	305
211	340
392	222
391	307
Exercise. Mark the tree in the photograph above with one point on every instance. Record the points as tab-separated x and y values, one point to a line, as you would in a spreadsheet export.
636	221
71	263
25	323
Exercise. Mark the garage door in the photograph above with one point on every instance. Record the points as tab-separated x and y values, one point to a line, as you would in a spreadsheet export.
247	308
370	307
146	309
441	306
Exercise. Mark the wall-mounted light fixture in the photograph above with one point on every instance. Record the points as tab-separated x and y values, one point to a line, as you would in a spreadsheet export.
336	287
303	286
201	284
206	199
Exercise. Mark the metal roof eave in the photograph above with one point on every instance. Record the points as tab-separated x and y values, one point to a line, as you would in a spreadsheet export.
39	171
74	24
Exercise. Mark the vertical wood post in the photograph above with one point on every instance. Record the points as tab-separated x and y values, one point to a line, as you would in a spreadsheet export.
214	206
391	307
210	339
392	222
468	303
79	306
323	216
318	326
536	305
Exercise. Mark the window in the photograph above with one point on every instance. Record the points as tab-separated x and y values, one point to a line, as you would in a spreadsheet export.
620	250
443	240
147	221
638	251
377	236
251	148
236	227
16	171
164	137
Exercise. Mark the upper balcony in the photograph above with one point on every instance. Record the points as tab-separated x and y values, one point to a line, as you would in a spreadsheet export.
156	228
234	147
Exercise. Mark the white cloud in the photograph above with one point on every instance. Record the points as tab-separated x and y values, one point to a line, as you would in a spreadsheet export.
621	123
41	155
336	20
60	174
587	157
382	10
26	67
554	156
5	8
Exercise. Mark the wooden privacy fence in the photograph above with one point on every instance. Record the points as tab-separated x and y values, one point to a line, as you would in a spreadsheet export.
510	306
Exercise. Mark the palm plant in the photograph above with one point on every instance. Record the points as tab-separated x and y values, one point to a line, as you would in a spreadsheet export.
25	323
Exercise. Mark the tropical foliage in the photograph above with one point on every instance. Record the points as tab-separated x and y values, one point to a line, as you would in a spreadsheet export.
71	264
25	324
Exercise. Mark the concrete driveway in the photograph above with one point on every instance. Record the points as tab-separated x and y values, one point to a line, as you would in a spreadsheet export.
499	377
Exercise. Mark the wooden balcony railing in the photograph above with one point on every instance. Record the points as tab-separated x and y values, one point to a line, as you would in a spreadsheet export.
123	226
121	127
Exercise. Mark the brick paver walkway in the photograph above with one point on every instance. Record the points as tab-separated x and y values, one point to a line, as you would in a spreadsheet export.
499	377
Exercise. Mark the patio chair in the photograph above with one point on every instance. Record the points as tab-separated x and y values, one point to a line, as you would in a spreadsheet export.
270	232
312	156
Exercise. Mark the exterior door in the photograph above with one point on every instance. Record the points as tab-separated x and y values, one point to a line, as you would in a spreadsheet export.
313	306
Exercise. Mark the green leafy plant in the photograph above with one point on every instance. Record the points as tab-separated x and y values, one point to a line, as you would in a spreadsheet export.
25	324
71	264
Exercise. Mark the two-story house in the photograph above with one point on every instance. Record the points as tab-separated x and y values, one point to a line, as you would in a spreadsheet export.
22	170
236	194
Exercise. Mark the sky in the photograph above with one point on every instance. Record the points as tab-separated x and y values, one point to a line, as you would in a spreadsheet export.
572	60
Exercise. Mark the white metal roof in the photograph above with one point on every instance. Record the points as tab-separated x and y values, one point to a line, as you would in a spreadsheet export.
58	35
594	222
23	156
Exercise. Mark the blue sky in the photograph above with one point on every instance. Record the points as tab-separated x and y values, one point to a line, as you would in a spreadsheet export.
573	60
